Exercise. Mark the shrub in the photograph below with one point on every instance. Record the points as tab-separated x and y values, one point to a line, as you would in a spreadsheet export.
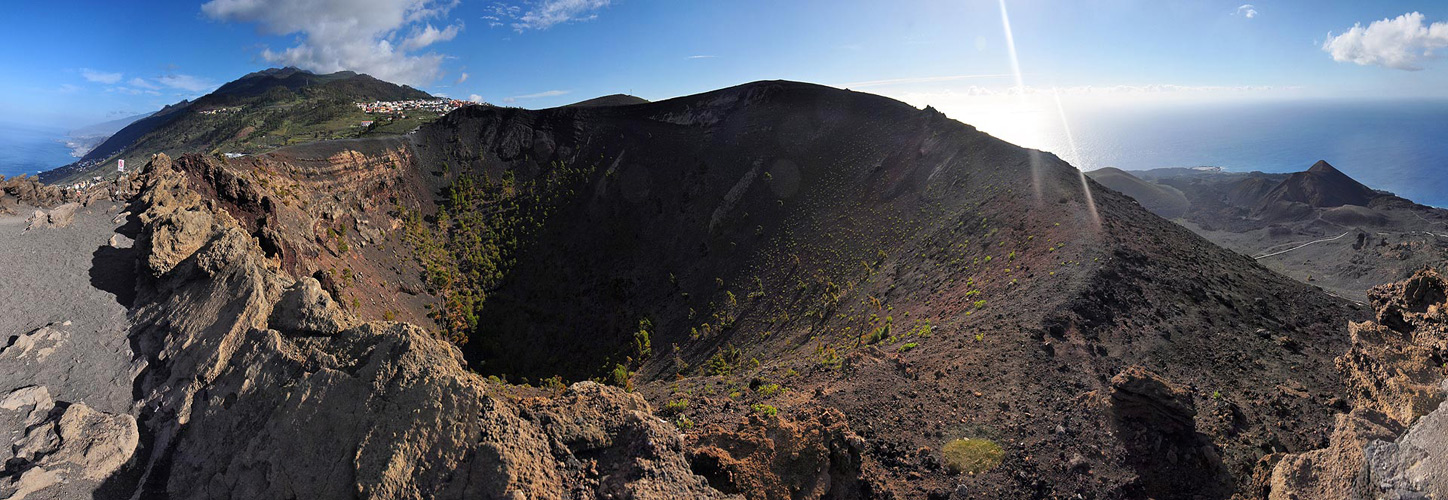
764	409
683	423
723	361
621	377
972	456
676	405
828	356
642	346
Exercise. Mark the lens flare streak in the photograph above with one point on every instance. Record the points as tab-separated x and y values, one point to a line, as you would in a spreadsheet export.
1076	155
1020	92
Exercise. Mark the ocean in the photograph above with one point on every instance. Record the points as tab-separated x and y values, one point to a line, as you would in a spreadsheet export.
1398	146
31	150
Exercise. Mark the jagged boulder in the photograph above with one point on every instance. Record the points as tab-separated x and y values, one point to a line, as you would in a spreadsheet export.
1156	422
306	309
1336	471
1415	465
812	456
58	449
177	221
30	191
55	218
1141	397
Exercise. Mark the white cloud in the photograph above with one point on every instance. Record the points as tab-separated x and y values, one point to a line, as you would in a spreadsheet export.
912	81
1247	10
1399	43
100	76
699	57
475	98
132	91
544	14
462	78
357	35
546	93
186	82
142	83
429	35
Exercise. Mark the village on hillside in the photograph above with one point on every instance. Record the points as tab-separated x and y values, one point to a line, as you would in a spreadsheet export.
439	106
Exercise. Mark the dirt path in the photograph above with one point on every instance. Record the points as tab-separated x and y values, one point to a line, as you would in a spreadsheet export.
1280	252
61	326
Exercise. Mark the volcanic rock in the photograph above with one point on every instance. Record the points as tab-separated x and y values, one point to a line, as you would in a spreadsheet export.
1394	373
58	449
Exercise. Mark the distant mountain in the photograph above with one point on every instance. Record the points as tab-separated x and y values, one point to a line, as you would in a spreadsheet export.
609	100
130	133
1321	186
1165	201
83	140
1318	225
283	104
342	84
108	127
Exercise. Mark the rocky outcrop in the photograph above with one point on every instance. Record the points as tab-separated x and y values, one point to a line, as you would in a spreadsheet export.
306	309
1156	421
57	449
814	456
1336	471
54	218
28	191
1414	466
24	191
1394	372
259	386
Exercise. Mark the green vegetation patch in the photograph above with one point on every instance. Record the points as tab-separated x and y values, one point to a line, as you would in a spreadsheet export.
972	456
472	241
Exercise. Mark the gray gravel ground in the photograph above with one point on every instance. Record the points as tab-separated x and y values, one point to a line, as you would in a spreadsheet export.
60	277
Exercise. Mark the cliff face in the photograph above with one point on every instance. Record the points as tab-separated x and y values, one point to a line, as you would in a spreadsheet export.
258	386
1394	441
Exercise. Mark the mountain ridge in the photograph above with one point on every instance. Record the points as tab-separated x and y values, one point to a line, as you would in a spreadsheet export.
1318	225
257	89
873	258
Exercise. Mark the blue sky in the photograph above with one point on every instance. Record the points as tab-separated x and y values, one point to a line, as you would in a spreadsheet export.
72	63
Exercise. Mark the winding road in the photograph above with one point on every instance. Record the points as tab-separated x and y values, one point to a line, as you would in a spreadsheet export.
1280	252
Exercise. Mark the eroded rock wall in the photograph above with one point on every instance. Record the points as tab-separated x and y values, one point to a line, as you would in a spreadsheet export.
259	386
1391	444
